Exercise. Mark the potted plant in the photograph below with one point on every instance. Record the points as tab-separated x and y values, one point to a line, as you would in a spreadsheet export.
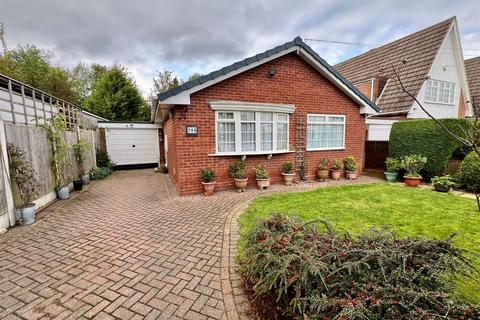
350	167
336	170
61	154
393	165
263	180
413	164
80	150
238	172
322	170
26	179
208	177
442	183
287	173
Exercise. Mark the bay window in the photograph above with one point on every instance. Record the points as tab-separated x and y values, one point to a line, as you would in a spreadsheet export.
325	132
437	91
251	132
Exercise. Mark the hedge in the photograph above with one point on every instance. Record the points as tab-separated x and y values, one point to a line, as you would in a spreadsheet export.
427	138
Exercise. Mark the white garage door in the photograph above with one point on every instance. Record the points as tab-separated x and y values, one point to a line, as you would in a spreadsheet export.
134	145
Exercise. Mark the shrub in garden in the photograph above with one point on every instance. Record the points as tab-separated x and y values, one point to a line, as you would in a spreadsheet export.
350	163
238	170
103	159
208	175
470	171
99	173
392	164
413	164
287	167
261	172
427	138
22	172
304	273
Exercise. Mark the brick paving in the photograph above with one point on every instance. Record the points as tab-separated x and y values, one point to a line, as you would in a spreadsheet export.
127	248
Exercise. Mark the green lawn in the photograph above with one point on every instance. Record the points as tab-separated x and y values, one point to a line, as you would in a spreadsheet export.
407	211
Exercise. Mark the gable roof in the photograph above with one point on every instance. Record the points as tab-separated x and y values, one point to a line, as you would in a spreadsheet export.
296	45
472	67
413	56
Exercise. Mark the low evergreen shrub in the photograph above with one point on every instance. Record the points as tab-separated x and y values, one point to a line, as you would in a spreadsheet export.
470	171
301	272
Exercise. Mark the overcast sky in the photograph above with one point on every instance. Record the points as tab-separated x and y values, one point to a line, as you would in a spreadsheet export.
201	36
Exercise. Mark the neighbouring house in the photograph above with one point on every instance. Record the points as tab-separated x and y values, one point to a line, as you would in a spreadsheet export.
431	66
472	67
285	104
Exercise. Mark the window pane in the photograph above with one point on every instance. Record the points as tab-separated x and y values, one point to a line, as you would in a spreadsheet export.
282	136
248	136
282	117
452	93
266	116
335	119
441	92
225	115
226	137
325	136
429	90
266	136
247	116
434	93
317	118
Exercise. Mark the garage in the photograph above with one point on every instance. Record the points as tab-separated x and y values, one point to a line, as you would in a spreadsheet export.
132	144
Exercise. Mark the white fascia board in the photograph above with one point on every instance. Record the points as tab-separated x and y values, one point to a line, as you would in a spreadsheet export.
365	108
378	121
222	105
183	98
129	125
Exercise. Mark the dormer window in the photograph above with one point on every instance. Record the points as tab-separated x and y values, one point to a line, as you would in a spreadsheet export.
439	91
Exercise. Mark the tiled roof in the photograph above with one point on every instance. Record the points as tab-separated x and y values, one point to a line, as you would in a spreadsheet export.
412	56
297	42
472	67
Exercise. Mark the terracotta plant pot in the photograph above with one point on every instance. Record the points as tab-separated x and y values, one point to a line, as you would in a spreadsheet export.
241	183
351	175
412	181
288	178
208	187
263	184
335	174
322	175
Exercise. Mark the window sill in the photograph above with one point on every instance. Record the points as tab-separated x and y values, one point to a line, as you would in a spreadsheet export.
440	103
256	153
326	149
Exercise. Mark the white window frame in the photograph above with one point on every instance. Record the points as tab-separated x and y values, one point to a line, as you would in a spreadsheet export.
430	83
326	123
238	133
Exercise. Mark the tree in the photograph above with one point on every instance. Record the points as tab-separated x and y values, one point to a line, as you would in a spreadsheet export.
115	96
84	77
194	76
162	82
33	66
3	41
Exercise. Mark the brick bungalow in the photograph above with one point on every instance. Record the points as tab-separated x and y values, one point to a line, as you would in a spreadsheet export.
285	104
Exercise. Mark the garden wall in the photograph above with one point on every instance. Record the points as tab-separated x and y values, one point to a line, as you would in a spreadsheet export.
34	142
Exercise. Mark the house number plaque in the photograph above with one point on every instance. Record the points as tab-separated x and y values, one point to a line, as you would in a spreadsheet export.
192	131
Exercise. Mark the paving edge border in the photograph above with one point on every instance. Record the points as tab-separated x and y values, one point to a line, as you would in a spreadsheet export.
228	264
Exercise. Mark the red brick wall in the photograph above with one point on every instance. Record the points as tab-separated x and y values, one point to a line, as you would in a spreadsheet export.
295	82
172	162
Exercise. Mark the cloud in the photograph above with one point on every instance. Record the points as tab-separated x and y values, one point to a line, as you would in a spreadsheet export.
200	36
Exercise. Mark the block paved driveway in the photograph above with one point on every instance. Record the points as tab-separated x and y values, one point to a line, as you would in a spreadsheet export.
125	248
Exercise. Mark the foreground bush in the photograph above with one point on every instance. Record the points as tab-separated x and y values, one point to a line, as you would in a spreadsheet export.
303	273
470	170
99	173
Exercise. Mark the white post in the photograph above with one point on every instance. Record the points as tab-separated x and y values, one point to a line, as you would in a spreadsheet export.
6	175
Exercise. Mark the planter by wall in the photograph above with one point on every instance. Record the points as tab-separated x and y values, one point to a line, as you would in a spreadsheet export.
288	178
351	175
263	184
63	193
85	179
208	187
28	214
241	183
77	185
391	176
335	174
441	188
322	175
412	181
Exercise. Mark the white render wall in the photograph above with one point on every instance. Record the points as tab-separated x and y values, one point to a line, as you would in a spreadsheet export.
446	67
